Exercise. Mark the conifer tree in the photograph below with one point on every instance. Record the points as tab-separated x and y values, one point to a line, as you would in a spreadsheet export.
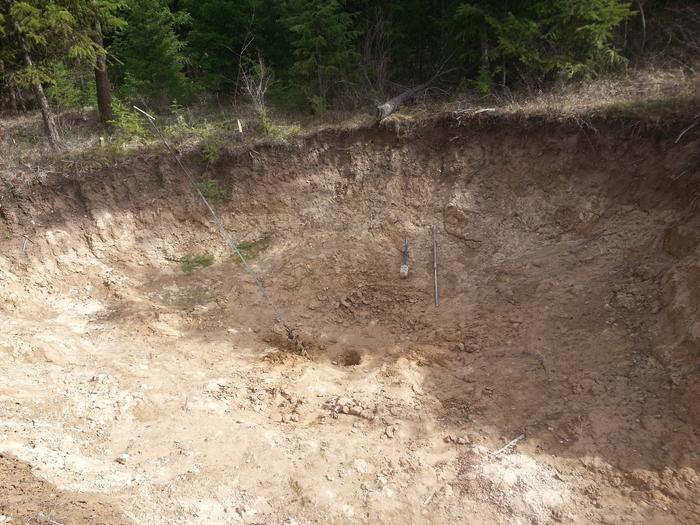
323	42
151	53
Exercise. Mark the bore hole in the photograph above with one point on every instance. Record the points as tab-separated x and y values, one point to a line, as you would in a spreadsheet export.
350	358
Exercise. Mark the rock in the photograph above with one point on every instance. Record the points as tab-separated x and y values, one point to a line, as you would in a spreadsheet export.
459	347
362	466
390	431
122	459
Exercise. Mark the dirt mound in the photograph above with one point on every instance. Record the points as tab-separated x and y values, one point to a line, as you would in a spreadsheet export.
569	267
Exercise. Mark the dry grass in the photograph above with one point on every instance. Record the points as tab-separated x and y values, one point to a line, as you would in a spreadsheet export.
646	89
646	94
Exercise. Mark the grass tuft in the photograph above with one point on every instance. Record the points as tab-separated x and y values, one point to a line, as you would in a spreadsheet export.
192	262
212	190
250	250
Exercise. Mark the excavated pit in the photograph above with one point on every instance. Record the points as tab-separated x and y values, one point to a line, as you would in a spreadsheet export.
569	268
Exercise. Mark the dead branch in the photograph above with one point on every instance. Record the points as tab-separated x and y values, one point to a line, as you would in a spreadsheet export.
508	446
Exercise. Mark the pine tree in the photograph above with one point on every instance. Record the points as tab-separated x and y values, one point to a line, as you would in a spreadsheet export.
324	45
151	54
33	33
103	18
543	40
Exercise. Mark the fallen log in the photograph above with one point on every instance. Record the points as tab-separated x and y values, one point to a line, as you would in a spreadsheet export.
386	109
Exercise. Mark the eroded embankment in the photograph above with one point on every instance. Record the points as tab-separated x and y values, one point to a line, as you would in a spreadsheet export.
570	287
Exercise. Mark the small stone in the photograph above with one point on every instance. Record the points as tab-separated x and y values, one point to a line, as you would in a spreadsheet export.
294	417
122	459
461	441
390	432
459	347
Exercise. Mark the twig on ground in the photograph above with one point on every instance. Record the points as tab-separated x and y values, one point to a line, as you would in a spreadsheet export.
483	110
686	130
431	496
508	446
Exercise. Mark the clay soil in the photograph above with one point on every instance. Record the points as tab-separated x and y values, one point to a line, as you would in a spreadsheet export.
569	321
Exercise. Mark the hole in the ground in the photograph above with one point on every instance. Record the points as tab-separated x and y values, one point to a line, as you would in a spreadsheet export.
350	358
566	277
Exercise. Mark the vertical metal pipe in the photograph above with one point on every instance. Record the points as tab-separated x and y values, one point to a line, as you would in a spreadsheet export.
435	274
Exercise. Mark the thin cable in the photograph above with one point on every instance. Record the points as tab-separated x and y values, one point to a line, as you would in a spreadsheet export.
222	229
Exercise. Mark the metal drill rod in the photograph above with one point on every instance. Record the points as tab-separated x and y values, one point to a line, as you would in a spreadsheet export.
435	265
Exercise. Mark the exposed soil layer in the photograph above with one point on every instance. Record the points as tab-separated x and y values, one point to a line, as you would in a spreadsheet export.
569	317
28	499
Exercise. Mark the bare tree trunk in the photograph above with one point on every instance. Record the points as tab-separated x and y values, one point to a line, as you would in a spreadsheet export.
103	89
644	26
20	99
484	49
49	123
13	98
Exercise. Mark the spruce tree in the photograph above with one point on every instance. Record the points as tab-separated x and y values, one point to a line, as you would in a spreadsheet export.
151	54
324	46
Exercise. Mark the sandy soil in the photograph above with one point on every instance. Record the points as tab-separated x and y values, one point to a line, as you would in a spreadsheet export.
569	318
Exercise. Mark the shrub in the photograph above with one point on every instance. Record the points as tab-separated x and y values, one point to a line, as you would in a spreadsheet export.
129	123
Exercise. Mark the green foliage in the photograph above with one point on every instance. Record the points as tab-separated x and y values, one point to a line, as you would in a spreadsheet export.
212	190
323	42
266	126
484	81
70	87
250	250
129	123
212	148
323	52
542	40
192	262
219	31
63	93
152	55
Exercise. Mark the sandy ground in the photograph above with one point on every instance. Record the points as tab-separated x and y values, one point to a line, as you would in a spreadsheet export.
569	322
